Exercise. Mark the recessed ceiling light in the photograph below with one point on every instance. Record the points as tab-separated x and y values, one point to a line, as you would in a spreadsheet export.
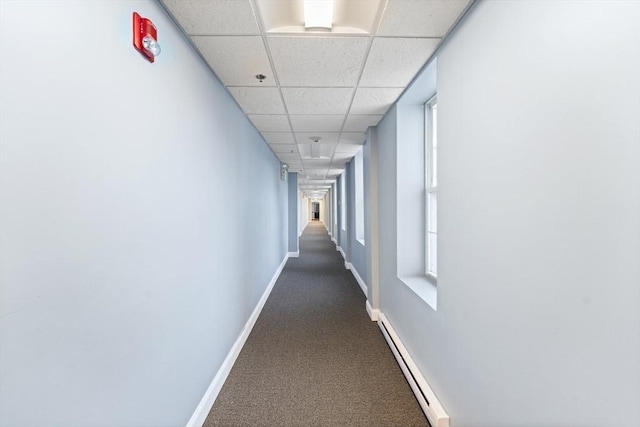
318	14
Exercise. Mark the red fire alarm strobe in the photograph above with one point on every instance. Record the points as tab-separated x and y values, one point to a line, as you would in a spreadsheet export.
145	37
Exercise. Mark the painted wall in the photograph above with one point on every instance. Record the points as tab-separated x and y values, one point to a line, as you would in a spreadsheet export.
371	215
129	194
358	253
334	201
292	184
329	212
324	211
538	318
342	220
304	211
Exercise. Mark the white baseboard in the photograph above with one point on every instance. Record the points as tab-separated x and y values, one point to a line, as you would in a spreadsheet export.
206	403
344	256
347	265
294	254
373	312
426	398
363	285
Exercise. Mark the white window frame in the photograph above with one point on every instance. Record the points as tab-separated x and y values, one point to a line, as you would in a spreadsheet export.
431	186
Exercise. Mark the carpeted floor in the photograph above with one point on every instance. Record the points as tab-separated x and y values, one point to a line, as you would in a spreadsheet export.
314	358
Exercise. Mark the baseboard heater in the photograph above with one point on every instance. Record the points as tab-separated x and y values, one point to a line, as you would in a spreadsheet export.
432	409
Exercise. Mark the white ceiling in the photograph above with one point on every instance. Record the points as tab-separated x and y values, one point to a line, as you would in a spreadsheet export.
332	85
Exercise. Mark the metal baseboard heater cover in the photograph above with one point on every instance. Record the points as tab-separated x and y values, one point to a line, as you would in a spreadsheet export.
426	398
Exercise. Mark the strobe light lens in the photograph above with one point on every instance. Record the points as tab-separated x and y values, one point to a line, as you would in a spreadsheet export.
151	45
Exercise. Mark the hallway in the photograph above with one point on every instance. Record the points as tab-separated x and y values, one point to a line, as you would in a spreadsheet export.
314	358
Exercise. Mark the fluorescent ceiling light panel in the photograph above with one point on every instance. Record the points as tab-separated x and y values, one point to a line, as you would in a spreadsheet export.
318	14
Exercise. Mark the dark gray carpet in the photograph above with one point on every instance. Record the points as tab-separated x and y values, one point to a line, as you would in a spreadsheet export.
314	358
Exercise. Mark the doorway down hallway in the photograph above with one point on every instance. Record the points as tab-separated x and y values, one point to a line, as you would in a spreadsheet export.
314	358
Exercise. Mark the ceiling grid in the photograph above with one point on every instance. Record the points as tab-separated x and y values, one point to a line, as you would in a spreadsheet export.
322	89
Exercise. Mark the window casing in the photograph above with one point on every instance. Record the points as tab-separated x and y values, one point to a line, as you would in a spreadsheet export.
431	187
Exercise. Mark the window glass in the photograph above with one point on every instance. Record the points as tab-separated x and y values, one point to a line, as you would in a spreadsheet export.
431	186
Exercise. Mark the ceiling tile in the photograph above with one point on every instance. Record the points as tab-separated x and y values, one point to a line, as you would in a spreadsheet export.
325	137
279	137
343	156
220	17
296	166
318	61
236	60
374	100
360	123
311	123
317	164
316	172
348	149
270	122
352	137
419	18
258	100
334	172
382	68
317	100
284	148
288	157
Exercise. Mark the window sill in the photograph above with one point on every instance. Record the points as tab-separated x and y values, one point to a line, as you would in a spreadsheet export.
425	287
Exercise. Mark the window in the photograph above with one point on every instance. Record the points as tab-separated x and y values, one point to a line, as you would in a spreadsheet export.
359	187
431	186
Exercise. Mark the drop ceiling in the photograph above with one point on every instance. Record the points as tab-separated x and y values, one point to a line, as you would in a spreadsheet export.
323	89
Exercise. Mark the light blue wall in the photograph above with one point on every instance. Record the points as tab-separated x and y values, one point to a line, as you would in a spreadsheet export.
342	234
292	183
141	219
371	214
303	212
357	251
390	285
538	313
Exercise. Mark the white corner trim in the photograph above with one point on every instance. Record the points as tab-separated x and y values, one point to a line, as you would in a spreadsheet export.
363	285
373	312
347	265
294	254
206	403
426	398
